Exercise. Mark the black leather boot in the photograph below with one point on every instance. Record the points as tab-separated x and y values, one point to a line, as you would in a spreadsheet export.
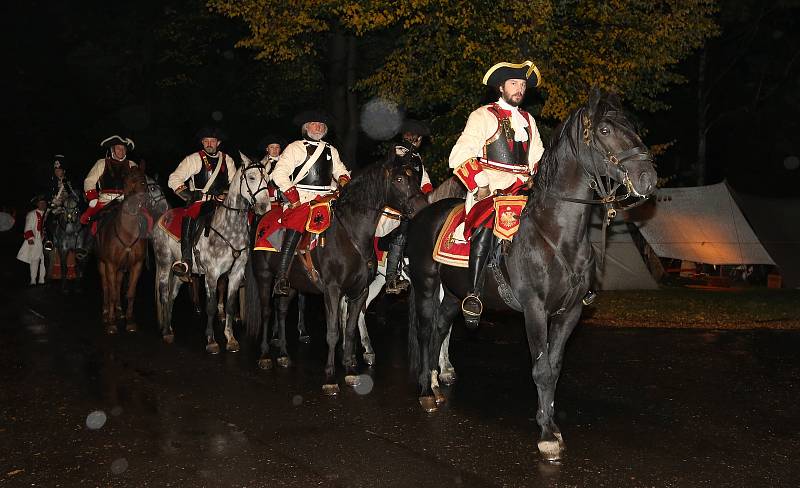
290	241
480	247
395	284
183	268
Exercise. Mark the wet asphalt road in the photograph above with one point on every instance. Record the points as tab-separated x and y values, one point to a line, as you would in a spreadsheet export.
639	408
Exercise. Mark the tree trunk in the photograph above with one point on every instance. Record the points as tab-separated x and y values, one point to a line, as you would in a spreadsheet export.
344	103
702	121
351	143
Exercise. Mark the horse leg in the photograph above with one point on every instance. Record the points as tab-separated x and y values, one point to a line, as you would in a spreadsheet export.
425	304
355	307
536	327
282	306
108	312
222	285
265	296
167	289
374	289
301	319
332	296
448	372
211	305
195	282
234	278
448	310
133	279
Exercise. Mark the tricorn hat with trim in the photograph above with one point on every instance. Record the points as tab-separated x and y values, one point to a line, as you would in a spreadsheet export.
415	127
58	164
312	116
116	140
207	132
501	72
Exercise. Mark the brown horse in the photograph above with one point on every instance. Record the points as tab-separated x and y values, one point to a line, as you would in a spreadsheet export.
121	246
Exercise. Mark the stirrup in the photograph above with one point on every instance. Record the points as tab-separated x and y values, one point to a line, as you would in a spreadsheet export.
281	285
396	286
589	298
180	268
471	317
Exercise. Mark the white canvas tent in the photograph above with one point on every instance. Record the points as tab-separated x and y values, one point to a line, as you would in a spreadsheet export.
624	268
701	224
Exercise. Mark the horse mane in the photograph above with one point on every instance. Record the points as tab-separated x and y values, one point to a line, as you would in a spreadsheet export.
567	137
367	188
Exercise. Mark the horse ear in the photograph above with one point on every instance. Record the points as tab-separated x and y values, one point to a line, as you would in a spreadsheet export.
594	98
143	166
245	160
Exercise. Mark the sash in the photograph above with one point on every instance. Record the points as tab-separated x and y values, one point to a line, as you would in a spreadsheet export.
313	159
213	174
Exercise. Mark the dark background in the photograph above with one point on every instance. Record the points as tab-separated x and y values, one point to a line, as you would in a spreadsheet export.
156	71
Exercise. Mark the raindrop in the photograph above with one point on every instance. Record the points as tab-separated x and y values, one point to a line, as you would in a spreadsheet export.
119	466
116	411
791	162
227	54
381	119
365	384
96	419
297	400
216	115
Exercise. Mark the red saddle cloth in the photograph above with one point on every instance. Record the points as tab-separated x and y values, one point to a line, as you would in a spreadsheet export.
500	213
172	220
270	231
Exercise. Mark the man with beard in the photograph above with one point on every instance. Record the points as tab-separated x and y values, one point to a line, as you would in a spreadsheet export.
201	180
498	152
106	180
305	172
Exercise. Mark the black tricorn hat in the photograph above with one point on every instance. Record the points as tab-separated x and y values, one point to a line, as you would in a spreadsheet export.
116	140
59	161
205	132
501	72
38	198
271	139
415	127
312	116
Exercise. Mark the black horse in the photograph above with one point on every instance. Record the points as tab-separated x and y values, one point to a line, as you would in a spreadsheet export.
548	267
345	264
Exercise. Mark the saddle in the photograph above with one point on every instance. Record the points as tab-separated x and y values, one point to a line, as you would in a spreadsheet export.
501	213
98	219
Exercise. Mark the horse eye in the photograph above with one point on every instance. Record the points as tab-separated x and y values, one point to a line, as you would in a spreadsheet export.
604	130
398	179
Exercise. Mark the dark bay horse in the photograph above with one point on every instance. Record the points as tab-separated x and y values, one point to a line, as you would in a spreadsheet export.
549	265
345	265
121	245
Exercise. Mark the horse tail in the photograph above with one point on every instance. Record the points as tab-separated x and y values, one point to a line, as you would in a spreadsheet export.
252	299
413	340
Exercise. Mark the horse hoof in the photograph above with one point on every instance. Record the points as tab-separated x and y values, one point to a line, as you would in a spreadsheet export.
131	328
550	450
439	396
232	346
265	363
197	311
275	343
212	348
352	380
284	361
560	440
448	378
330	389
369	358
169	338
428	403
305	339
111	329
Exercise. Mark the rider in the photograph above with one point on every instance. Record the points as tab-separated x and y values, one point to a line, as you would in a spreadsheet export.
201	180
498	151
406	152
305	171
105	181
273	145
60	188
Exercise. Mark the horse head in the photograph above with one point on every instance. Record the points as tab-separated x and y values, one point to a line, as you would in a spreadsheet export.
135	182
250	182
402	188
615	148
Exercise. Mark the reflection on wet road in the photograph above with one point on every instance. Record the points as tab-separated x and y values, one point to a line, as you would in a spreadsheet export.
637	408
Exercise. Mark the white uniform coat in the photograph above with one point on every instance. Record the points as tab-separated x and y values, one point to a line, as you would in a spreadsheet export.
190	166
90	183
295	155
30	253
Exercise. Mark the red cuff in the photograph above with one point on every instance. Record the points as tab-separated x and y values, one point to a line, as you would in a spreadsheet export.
91	195
426	188
467	173
28	234
292	195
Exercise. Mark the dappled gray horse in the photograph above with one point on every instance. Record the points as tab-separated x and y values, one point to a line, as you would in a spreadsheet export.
222	250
